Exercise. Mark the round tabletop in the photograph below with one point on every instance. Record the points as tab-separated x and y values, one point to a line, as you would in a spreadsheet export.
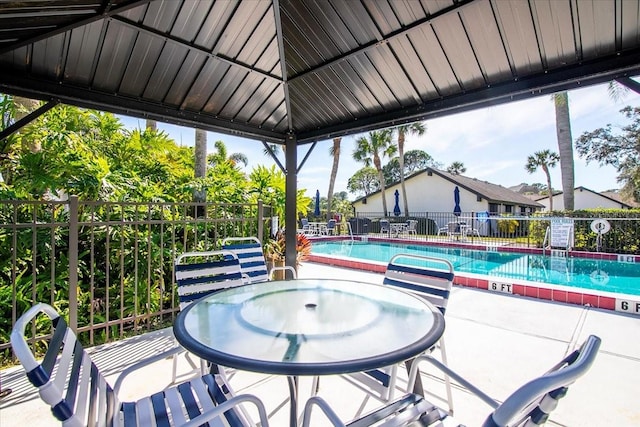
309	327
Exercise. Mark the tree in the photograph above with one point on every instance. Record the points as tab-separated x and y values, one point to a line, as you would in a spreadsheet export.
220	156
543	159
364	181
418	129
371	150
565	148
456	168
620	150
334	151
200	168
414	160
151	124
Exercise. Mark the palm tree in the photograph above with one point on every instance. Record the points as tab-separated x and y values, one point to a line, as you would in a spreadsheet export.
418	129
200	168
544	159
151	124
456	168
220	156
565	147
370	150
334	151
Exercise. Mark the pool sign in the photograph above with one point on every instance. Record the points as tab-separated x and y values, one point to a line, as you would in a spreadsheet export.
628	306
561	232
503	287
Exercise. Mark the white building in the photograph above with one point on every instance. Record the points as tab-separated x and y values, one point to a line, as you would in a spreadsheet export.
432	190
583	198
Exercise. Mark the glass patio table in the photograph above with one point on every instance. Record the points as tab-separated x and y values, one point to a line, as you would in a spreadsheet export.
308	327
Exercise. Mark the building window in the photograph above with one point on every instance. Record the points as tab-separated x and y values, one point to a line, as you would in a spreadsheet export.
493	209
508	208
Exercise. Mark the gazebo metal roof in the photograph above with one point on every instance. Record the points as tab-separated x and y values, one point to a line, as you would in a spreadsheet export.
314	70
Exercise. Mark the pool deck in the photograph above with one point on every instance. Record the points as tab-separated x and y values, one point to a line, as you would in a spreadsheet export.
498	341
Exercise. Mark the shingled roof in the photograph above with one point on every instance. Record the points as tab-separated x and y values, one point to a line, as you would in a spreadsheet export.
493	193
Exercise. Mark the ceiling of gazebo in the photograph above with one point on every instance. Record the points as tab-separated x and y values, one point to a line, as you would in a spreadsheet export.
268	69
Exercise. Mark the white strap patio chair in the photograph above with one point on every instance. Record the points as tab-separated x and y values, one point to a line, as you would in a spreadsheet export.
530	405
78	394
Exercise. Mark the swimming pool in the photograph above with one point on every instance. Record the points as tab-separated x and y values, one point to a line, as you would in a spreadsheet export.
583	273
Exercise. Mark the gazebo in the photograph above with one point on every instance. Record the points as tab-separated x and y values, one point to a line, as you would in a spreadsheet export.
296	72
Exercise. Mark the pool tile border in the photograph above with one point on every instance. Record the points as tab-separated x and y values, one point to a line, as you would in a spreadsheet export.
625	303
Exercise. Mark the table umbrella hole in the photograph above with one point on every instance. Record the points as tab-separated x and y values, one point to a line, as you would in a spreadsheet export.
311	306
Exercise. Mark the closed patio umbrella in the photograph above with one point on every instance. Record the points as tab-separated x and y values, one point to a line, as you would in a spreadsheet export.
456	199
316	209
396	208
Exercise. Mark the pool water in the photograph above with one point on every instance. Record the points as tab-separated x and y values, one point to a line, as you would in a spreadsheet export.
609	276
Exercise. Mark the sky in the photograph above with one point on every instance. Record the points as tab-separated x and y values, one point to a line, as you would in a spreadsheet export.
493	143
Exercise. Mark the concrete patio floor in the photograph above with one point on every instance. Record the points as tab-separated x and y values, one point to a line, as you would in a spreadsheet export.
497	341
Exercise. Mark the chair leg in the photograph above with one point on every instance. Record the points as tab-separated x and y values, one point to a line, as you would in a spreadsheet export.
447	379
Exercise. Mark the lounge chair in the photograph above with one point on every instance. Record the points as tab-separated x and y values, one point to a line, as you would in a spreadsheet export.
530	405
329	229
79	395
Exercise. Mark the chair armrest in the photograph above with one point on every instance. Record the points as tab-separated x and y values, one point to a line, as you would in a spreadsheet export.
326	409
439	365
229	404
142	363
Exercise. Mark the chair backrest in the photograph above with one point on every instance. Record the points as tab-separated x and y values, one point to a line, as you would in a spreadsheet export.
331	224
411	225
305	223
531	404
384	225
251	257
428	277
201	273
453	227
66	378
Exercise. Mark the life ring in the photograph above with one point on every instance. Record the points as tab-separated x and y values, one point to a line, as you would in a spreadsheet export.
600	226
599	277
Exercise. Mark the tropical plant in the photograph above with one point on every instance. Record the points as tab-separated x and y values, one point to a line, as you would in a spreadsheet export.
565	148
334	151
418	129
276	248
619	149
371	149
456	168
543	159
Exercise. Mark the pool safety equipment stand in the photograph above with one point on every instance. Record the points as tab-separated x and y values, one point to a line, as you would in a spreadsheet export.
600	227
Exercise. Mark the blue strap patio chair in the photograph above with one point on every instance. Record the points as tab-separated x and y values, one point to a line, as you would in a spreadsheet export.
252	262
249	252
430	278
530	405
199	274
78	394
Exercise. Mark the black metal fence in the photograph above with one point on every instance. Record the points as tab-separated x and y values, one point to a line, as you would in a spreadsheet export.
622	235
108	267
